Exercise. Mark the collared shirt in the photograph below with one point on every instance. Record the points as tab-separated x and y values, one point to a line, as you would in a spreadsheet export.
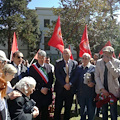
18	68
87	66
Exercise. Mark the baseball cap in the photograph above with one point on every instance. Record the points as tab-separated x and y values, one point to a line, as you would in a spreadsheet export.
3	56
108	49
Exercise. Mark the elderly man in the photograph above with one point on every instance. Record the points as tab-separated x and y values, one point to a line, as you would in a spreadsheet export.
21	69
85	85
64	87
42	73
106	76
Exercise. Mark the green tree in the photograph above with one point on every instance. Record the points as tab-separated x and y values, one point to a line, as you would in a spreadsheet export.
16	17
97	14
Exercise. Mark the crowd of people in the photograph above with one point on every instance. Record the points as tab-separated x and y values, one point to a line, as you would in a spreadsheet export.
26	91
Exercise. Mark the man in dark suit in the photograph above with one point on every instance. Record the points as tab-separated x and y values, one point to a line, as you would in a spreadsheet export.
42	73
21	69
64	87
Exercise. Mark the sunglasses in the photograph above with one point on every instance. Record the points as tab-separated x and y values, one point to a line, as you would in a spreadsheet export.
19	57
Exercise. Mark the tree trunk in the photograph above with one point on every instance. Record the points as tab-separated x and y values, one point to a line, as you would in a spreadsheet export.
9	45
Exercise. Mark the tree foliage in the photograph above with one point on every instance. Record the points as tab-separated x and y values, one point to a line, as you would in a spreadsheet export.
16	17
100	17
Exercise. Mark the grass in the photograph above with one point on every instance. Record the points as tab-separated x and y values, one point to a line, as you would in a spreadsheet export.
76	116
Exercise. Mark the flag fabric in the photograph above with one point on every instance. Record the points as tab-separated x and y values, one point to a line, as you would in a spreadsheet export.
119	55
107	44
71	57
35	57
14	46
56	39
84	44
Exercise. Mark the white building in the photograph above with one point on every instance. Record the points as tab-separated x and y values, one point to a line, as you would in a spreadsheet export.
45	16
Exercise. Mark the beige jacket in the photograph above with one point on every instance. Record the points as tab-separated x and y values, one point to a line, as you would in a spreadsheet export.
113	74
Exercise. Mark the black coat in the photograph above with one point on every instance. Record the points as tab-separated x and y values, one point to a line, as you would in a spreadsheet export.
16	109
41	99
60	75
24	73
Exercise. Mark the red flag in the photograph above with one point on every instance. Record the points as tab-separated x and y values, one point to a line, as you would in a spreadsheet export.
71	57
84	44
14	46
119	55
107	44
36	56
56	39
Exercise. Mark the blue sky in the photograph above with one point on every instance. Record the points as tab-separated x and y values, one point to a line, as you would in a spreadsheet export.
43	3
49	3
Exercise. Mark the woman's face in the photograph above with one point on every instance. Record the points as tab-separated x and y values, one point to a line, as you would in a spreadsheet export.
30	91
9	76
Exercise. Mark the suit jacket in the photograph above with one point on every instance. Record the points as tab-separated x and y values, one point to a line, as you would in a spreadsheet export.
40	98
23	71
60	74
113	74
16	108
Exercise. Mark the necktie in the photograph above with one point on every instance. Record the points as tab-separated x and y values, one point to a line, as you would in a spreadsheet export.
105	78
18	72
67	73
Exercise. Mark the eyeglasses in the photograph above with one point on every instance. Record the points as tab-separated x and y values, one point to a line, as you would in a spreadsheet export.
19	57
85	58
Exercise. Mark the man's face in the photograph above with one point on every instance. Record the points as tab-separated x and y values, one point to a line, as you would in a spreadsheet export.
107	54
41	59
47	60
18	58
85	60
66	55
96	57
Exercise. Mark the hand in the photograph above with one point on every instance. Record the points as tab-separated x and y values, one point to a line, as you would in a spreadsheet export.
35	113
91	84
67	86
106	58
105	92
14	94
44	90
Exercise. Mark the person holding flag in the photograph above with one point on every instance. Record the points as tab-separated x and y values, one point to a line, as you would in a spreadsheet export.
107	72
42	73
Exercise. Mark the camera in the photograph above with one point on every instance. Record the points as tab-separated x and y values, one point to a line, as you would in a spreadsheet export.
29	106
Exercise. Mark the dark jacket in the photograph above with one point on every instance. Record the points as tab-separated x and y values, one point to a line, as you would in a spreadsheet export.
60	75
24	73
84	89
16	109
40	98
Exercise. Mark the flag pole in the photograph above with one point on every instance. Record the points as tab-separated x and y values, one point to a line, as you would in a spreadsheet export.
11	56
31	62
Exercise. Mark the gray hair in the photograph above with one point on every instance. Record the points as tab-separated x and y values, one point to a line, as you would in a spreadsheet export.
42	53
9	68
86	55
25	84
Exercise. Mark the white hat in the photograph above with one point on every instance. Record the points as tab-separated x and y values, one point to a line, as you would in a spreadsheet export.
108	49
3	56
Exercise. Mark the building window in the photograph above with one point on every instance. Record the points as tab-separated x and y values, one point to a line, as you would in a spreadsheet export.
46	22
46	46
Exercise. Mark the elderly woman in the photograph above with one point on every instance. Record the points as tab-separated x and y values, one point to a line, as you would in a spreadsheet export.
22	108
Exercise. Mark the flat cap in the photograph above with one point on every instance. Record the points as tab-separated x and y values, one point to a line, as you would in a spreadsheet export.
108	49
